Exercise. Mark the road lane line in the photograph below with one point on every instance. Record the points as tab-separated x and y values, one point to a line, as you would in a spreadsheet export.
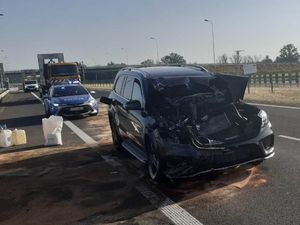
80	133
37	97
2	95
169	208
275	106
289	137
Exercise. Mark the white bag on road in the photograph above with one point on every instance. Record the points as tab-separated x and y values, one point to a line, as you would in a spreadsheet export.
5	138
52	128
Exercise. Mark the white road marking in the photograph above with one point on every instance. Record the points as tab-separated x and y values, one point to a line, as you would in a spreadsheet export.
2	95
170	209
37	97
275	106
80	133
290	138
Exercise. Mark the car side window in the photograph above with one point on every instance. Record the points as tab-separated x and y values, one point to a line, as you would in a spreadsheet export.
119	83
128	87
137	92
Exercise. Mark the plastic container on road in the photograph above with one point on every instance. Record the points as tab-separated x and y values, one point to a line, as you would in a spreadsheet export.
52	128
19	137
5	138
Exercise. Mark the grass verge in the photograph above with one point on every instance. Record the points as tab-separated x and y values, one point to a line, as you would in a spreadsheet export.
289	96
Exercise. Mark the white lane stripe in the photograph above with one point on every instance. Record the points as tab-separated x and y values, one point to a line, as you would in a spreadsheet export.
2	95
275	106
80	133
170	209
290	138
37	97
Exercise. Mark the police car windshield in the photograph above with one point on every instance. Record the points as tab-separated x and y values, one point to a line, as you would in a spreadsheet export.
30	82
61	91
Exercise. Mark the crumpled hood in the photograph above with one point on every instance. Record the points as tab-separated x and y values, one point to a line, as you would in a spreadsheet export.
235	84
71	100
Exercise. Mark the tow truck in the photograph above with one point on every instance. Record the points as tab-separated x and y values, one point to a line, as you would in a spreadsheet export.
53	69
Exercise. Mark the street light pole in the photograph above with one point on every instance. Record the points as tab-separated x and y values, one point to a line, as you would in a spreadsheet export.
2	69
156	42
213	38
126	53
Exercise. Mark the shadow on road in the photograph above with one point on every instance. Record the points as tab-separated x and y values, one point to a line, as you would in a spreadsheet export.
23	121
66	188
22	102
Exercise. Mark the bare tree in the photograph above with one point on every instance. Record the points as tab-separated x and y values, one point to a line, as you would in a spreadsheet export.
234	59
223	59
247	59
257	58
251	59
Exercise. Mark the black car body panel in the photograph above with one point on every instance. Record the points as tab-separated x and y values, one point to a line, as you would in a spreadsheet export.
196	121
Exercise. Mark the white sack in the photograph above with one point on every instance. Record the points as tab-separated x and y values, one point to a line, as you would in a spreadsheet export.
52	128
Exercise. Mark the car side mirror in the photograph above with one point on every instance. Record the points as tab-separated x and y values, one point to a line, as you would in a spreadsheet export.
105	100
133	105
92	92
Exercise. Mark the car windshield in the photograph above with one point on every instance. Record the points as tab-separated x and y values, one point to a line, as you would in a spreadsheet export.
62	91
30	82
64	70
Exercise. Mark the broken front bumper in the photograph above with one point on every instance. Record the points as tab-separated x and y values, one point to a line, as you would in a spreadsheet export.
184	160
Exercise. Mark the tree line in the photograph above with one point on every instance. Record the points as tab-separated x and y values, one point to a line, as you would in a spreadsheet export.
288	54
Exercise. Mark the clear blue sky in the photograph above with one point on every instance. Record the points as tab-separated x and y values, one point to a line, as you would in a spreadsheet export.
94	31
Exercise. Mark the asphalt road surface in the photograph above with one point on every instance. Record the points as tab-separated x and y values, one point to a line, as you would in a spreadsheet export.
85	181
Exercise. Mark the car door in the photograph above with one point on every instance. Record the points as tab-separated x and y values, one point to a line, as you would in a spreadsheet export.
118	101
135	117
124	124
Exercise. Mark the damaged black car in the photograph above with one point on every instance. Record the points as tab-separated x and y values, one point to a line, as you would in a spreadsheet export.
184	121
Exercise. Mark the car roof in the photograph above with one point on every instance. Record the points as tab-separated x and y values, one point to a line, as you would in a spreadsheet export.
169	71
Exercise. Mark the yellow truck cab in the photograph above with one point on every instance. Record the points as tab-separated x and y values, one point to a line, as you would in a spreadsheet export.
53	69
63	71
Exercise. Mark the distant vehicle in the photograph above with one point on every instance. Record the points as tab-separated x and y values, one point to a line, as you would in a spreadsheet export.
53	69
183	121
70	100
30	85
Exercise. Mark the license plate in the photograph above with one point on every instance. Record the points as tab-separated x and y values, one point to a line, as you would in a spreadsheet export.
76	108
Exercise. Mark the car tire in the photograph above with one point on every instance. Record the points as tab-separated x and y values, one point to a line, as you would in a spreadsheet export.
155	166
117	140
